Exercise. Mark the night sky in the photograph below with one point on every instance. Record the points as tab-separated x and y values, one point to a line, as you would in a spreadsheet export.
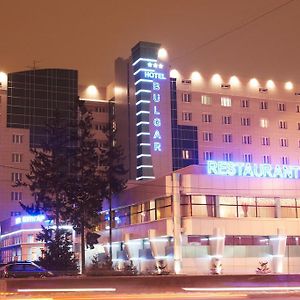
89	34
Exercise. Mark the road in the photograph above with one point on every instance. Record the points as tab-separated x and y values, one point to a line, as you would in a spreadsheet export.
153	296
154	287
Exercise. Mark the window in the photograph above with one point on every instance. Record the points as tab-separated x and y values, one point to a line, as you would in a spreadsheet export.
15	213
206	100
163	208
265	141
244	103
206	118
284	160
245	121
227	138
207	136
102	144
265	207
263	105
30	238
284	142
208	155
264	123
17	157
226	120
17	138
298	126
247	157
288	208
187	116
198	205
247	139
100	109
101	126
17	196
298	108
186	97
16	177
266	159
225	101
282	124
186	154
281	106
227	156
228	207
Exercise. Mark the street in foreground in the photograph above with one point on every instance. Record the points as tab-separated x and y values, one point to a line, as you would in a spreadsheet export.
152	296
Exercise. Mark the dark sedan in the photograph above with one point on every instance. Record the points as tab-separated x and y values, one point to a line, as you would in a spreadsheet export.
23	269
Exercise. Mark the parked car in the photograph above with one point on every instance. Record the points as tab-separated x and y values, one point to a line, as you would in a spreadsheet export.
23	269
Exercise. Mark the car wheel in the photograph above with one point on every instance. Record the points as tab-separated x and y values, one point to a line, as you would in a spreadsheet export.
42	276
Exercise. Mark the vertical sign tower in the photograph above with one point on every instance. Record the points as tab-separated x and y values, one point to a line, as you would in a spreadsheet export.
152	100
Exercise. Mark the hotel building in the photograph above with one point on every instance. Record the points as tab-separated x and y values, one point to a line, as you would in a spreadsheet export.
215	169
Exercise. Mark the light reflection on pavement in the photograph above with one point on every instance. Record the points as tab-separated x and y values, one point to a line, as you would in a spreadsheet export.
154	296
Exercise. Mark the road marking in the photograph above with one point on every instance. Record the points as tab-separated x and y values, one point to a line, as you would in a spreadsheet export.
68	290
244	289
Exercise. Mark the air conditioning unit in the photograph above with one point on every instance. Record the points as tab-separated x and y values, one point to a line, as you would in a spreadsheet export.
263	90
225	86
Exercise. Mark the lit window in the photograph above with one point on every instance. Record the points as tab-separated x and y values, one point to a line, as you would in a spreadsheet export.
244	103
100	109
227	156
30	238
17	157
263	105
186	97
284	142
245	121
207	136
185	154
101	127
264	123
282	124
284	160
206	100
15	176
16	196
281	107
266	159
227	138
247	139
247	157
206	118
265	141
208	155
225	101
17	138
226	120
187	116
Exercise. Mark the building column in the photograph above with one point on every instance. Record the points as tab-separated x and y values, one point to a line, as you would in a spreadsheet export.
177	223
277	208
278	243
217	244
217	206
